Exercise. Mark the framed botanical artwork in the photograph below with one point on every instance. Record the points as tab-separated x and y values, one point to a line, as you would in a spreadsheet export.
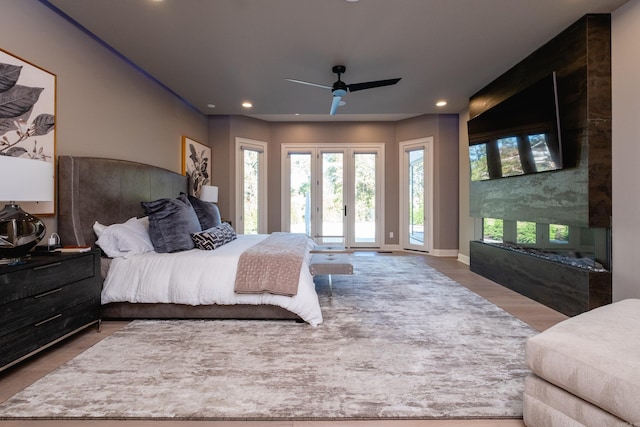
196	164
27	117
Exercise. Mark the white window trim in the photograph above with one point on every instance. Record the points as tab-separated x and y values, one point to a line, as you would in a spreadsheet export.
315	149
261	147
404	146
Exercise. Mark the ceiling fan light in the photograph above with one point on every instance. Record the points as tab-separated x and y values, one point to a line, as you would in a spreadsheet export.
334	105
339	92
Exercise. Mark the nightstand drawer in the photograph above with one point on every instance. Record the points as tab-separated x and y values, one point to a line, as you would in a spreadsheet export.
31	310
29	339
42	278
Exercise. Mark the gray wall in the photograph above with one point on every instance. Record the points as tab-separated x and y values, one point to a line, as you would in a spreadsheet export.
444	128
625	34
105	108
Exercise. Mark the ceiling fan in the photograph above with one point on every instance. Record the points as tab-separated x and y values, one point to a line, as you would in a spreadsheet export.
340	88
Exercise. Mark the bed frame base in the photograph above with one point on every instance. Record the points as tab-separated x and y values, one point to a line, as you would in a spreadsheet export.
179	311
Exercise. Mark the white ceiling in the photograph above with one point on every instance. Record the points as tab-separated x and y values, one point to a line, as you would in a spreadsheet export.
224	52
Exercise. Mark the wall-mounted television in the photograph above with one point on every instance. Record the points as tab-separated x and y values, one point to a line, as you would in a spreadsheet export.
518	136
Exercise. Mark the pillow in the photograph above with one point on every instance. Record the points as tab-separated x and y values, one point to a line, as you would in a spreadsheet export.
171	222
98	228
208	212
214	237
124	240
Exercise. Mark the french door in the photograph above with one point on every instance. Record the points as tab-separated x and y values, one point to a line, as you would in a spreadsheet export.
334	193
416	190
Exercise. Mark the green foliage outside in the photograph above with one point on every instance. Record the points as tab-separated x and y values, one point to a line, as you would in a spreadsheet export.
416	188
559	233
526	232
493	229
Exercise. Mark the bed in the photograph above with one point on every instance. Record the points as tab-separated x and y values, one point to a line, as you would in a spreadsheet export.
110	191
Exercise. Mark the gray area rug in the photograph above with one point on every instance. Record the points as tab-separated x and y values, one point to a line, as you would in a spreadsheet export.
399	340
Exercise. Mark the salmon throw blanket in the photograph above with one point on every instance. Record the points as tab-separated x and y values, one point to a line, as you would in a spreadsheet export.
273	265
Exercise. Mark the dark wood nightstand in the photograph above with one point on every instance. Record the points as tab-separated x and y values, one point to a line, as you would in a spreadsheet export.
45	300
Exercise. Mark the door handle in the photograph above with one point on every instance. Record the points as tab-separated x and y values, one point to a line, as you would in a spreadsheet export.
345	210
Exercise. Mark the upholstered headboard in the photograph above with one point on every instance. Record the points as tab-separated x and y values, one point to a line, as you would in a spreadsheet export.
108	191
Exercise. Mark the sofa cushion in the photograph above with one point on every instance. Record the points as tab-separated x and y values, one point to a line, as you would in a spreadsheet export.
547	405
595	356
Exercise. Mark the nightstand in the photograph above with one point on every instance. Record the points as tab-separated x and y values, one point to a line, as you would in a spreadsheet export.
45	300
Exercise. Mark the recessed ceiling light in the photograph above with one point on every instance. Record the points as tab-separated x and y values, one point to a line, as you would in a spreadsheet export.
441	103
247	104
211	106
352	1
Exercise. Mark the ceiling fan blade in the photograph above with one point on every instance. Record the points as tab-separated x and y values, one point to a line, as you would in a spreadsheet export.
369	85
334	105
309	83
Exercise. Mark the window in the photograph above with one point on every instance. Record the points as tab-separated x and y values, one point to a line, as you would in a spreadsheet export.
251	179
559	234
526	232
300	193
492	230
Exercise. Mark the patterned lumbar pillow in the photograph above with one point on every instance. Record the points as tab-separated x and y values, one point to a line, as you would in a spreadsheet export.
214	237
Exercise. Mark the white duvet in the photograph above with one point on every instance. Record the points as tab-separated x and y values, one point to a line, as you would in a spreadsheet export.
198	277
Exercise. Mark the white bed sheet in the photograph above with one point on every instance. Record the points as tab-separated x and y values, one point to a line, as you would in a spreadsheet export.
198	277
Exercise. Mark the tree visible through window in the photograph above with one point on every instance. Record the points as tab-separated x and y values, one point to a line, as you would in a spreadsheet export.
251	191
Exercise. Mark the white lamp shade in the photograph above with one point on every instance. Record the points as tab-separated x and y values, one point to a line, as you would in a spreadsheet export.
209	193
25	180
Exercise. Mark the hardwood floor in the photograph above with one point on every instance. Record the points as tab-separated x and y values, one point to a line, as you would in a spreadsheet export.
22	375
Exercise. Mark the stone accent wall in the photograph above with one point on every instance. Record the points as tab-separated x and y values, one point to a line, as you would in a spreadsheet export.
579	195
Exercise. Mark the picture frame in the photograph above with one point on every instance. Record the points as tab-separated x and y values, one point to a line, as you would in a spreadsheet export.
27	121
196	164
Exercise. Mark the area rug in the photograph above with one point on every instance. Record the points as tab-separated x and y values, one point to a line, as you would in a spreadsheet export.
399	341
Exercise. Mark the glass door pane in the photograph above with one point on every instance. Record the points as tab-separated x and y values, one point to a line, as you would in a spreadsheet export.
365	198
333	206
250	191
300	193
416	197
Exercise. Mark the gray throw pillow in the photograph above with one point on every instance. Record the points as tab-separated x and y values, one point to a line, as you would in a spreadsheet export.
171	222
208	212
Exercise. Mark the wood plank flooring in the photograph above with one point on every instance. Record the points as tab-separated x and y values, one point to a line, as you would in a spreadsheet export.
22	375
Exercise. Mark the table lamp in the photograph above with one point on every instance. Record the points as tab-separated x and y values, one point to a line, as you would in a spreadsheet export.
209	193
22	180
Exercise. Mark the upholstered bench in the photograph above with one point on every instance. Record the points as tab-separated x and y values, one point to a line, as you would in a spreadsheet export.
320	249
329	264
586	370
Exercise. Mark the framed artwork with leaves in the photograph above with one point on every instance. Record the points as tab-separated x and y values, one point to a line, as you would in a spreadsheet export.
196	164
27	117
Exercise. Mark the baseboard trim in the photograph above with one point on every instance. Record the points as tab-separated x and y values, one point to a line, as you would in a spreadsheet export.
465	259
444	252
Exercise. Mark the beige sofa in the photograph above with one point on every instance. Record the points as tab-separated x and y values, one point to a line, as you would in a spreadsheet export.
586	370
